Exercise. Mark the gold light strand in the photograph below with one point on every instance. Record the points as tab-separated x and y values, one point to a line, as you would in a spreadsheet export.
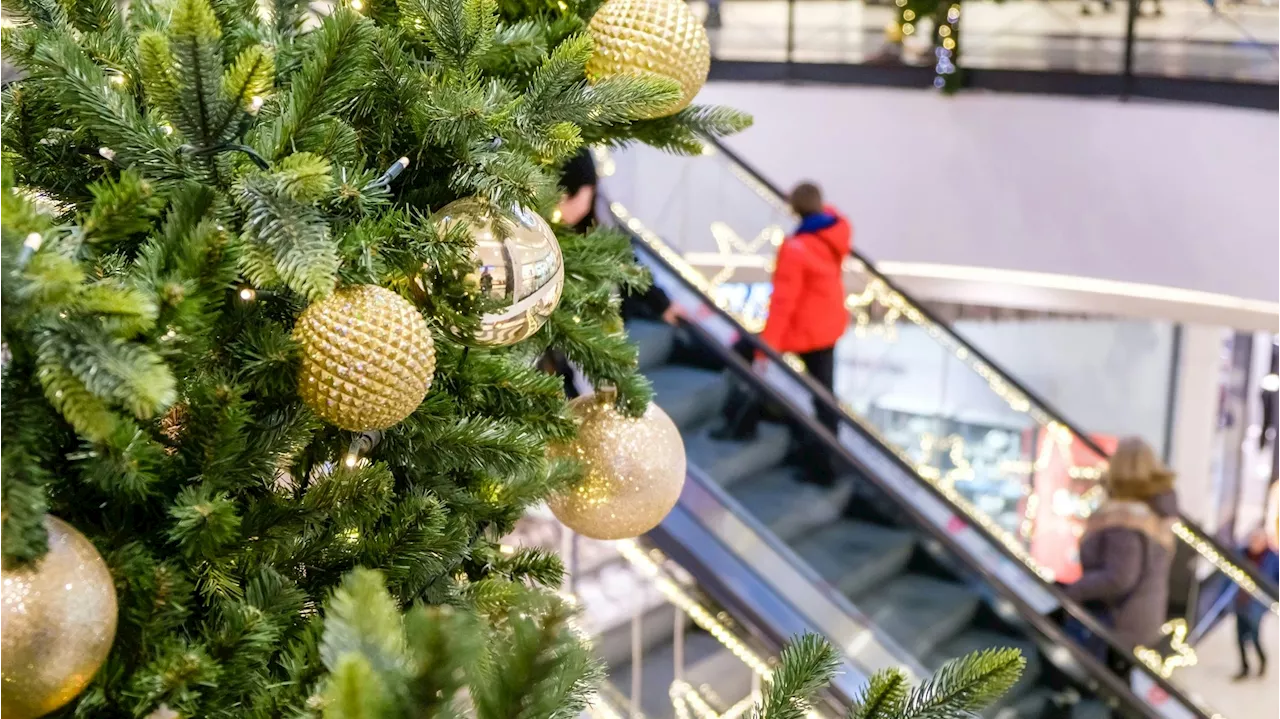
1233	572
1015	399
1184	655
932	475
699	614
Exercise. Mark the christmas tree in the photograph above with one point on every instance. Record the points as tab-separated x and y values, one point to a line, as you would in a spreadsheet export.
274	284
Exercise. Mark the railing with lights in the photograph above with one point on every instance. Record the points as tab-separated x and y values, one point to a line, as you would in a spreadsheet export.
994	447
894	473
638	608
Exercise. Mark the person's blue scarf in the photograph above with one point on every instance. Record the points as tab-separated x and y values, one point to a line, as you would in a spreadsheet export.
815	222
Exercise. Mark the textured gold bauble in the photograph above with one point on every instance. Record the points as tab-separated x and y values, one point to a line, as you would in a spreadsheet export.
634	470
517	263
651	37
57	622
367	357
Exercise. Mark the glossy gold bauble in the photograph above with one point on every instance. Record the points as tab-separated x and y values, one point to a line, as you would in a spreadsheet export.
367	357
651	37
517	263
57	622
634	470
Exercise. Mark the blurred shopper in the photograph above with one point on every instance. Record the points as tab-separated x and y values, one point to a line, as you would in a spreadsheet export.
1126	552
1250	611
578	180
807	314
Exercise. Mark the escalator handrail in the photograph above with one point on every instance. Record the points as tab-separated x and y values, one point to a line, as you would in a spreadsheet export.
810	424
704	555
1267	584
1042	625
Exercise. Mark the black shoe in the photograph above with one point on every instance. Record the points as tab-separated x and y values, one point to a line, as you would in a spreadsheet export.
713	18
1262	666
1241	675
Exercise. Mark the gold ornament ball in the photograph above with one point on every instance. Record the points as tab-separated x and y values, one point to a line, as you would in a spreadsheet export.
59	619
634	470
517	263
367	357
651	37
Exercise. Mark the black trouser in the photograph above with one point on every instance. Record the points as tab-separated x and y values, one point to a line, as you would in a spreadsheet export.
821	365
743	411
1247	632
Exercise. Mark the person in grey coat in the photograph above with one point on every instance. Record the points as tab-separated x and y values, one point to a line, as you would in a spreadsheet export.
1126	552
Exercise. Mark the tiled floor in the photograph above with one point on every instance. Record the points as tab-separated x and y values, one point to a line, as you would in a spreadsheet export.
1257	698
1190	37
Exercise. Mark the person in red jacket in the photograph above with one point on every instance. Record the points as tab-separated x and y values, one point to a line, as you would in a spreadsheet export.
807	314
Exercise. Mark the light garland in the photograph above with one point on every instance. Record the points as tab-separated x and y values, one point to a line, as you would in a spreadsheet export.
1225	565
1061	436
1184	655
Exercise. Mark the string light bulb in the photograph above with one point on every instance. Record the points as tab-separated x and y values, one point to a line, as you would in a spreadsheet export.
247	294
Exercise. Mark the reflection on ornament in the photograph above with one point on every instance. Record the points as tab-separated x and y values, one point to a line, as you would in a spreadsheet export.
517	263
57	622
367	357
633	470
651	37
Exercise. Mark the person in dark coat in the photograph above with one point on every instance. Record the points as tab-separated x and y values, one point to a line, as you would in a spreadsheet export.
1249	611
1126	552
578	180
1126	555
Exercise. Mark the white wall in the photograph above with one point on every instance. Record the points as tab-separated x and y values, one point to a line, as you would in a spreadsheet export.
1167	194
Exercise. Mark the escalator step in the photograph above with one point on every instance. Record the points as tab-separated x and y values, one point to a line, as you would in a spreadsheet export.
854	556
690	396
729	461
919	611
789	507
653	340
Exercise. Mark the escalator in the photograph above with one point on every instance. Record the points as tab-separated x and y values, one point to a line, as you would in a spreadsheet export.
907	562
719	222
872	557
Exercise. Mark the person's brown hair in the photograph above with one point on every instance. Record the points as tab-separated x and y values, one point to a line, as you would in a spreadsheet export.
1135	473
806	199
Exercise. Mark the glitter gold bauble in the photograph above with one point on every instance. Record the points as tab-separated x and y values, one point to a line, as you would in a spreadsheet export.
651	37
516	263
57	622
634	470
367	357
